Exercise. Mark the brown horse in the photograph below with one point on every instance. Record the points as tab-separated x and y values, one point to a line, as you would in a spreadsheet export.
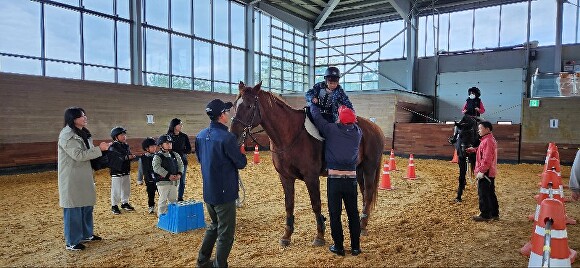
297	155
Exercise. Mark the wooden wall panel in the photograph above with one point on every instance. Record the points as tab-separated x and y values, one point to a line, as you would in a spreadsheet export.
34	107
537	121
431	140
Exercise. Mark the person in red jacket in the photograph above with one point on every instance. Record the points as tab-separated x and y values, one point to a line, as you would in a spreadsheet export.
486	170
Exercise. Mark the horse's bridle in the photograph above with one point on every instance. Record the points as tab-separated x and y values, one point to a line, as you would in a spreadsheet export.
248	126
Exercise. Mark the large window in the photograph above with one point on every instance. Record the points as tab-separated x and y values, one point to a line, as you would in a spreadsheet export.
198	58
345	48
496	26
63	39
280	55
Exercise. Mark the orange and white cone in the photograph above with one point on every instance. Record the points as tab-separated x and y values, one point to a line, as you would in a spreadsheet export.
550	177
392	164
386	179
551	210
411	169
243	148
256	155
454	160
552	159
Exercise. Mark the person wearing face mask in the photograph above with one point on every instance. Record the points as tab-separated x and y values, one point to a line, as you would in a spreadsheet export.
473	105
328	95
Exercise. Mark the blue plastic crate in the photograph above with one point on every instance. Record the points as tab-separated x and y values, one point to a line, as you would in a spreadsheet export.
182	216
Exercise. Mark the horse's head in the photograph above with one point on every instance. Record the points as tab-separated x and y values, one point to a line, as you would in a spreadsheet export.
247	111
468	130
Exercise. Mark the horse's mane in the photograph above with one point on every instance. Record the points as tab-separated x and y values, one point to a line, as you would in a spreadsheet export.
272	99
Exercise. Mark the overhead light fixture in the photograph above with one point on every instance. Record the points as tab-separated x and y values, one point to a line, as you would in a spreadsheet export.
504	122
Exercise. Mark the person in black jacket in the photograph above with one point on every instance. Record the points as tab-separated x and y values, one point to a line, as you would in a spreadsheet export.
181	146
145	171
341	154
120	166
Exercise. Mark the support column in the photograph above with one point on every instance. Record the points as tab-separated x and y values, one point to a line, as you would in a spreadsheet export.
558	43
249	77
136	43
411	51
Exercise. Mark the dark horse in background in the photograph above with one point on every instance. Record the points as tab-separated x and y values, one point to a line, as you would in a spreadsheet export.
465	136
297	155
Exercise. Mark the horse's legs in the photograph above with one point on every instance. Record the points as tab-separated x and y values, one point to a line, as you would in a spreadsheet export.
288	185
313	187
365	176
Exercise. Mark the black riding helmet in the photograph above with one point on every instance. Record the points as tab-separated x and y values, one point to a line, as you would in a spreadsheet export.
148	142
332	72
116	131
475	91
163	139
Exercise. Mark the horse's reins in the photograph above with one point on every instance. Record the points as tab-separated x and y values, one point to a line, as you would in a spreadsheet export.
248	126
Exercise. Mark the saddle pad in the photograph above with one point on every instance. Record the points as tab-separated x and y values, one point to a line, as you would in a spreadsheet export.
312	130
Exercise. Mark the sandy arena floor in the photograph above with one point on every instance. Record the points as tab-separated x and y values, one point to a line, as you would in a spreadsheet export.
414	225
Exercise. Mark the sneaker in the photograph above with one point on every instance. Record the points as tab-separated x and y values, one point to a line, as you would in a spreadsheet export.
151	209
115	210
495	218
336	250
127	207
92	238
457	200
76	247
480	218
356	251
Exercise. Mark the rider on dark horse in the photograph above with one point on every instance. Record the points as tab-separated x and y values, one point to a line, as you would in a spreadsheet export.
465	136
328	95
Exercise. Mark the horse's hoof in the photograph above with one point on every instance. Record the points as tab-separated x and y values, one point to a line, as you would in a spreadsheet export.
284	242
364	232
318	242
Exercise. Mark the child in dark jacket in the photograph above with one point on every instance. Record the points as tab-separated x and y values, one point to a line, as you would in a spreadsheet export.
120	166
146	173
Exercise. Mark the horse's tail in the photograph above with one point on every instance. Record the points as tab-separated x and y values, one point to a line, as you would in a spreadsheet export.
374	147
378	174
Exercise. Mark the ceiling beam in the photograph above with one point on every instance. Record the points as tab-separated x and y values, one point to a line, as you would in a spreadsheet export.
296	10
325	13
361	12
403	7
312	7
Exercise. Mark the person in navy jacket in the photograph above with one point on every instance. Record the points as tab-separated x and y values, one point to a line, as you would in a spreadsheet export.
220	158
341	154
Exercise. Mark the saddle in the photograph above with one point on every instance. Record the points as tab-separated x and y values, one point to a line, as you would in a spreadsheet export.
310	127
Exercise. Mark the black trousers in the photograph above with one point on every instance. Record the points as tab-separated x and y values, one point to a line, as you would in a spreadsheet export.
151	189
461	161
488	205
343	189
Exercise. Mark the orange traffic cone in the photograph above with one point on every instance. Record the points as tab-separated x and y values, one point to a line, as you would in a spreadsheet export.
243	149
386	179
392	164
411	169
256	155
552	159
551	222
550	178
454	160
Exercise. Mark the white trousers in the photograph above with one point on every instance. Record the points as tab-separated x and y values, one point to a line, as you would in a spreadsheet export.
167	194
120	189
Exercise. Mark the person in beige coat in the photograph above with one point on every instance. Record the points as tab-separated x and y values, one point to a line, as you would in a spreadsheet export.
76	186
